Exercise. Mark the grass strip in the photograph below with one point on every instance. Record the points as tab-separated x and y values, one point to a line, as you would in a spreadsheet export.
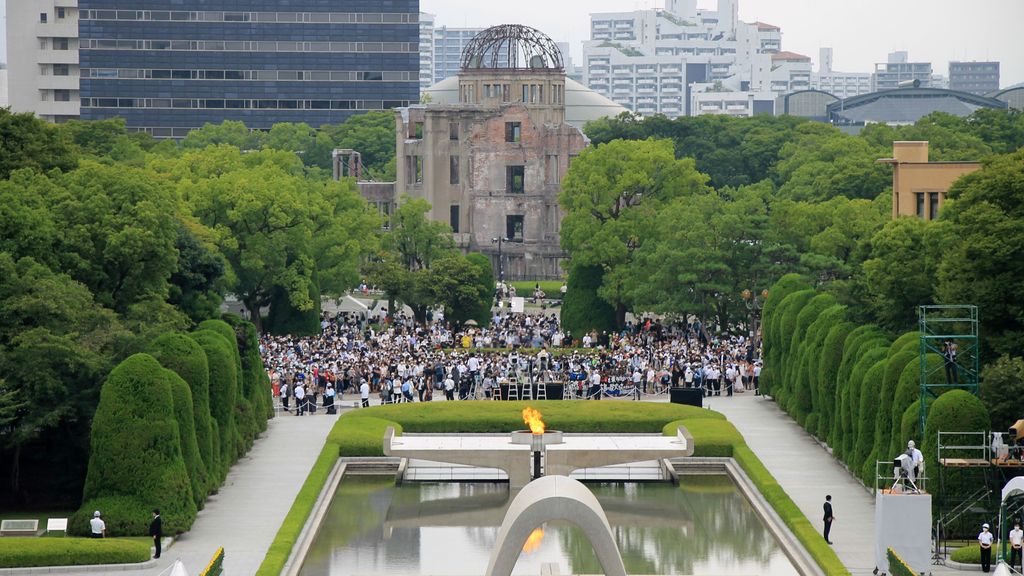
36	552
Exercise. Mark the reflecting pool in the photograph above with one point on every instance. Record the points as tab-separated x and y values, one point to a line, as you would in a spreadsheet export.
704	526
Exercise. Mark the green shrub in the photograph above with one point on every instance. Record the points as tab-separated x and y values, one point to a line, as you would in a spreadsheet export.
123	515
828	371
36	552
788	325
910	341
954	411
841	425
583	310
802	405
187	433
181	354
136	446
871	352
883	419
357	435
776	294
907	390
254	382
501	417
970	554
223	394
815	340
1002	389
711	437
864	452
910	423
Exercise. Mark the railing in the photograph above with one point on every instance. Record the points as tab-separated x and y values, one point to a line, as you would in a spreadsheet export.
893	481
216	565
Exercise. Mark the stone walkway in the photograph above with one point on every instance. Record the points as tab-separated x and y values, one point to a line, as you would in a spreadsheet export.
807	472
245	515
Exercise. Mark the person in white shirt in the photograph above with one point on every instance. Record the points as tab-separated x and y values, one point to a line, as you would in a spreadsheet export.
1016	537
985	541
917	458
300	399
364	393
449	388
97	526
595	385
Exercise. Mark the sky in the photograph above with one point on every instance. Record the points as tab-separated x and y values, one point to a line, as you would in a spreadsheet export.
860	32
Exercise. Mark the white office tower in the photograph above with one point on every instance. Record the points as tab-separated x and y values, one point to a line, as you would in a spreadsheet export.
684	60
839	84
426	50
42	49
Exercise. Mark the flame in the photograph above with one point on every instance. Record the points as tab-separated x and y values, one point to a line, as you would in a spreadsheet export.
532	419
533	542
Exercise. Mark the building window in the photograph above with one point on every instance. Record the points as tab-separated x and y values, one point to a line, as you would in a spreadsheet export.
61	70
920	204
453	217
513	131
514	228
60	43
514	179
418	165
61	13
453	131
453	169
417	130
42	17
62	96
506	93
933	205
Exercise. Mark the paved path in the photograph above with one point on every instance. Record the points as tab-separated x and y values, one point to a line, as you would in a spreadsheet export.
245	515
807	472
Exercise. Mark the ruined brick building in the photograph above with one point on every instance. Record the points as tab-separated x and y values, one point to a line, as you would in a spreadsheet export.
490	154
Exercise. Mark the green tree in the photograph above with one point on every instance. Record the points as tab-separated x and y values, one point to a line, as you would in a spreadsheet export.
485	279
56	344
454	281
821	162
371	134
290	136
983	259
27	227
197	285
901	273
583	309
610	194
28	142
1002	390
231	132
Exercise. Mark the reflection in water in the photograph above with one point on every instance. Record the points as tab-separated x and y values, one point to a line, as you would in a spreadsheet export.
705	526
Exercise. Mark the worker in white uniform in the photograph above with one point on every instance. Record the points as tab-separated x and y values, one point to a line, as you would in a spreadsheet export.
1016	537
985	541
917	458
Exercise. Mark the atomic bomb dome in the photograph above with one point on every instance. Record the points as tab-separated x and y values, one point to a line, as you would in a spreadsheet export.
511	47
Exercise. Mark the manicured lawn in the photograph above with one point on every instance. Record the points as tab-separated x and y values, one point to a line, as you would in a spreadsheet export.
551	288
32	552
361	432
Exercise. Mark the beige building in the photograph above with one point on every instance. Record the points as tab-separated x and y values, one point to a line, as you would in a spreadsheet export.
918	186
491	163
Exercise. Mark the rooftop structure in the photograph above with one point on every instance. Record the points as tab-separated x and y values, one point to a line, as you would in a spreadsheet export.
918	186
906	106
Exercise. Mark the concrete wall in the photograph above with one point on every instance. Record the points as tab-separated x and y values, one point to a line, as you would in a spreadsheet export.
912	174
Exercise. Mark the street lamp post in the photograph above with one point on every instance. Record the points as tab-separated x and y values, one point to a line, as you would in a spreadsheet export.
501	263
754	305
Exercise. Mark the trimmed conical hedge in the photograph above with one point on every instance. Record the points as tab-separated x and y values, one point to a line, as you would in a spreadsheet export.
185	357
136	462
184	415
223	394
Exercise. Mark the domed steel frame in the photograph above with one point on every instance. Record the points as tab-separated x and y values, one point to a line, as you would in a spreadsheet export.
512	47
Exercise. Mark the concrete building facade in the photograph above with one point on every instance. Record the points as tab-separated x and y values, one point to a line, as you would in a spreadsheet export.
491	164
898	69
840	84
654	61
919	187
168	66
979	78
3	86
44	76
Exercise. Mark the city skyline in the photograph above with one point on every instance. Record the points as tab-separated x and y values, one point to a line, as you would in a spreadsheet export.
984	33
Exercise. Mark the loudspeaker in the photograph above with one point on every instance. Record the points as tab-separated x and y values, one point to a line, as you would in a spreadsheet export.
688	396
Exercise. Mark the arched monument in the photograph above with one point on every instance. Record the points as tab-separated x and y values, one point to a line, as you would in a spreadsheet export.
554	498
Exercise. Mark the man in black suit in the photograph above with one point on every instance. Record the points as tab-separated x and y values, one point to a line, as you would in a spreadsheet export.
156	530
828	516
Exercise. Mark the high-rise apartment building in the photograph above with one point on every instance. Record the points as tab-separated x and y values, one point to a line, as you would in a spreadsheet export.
839	84
979	78
655	61
441	50
168	66
897	69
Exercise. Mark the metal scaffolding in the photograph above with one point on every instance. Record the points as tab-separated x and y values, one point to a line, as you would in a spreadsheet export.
951	332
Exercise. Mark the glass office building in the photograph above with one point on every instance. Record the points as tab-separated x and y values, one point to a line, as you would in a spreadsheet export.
168	66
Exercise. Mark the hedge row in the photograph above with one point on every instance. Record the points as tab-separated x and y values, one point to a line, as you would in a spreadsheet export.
169	426
360	433
36	552
852	386
897	567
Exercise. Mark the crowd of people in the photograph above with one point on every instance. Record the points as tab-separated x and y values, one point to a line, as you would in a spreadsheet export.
400	361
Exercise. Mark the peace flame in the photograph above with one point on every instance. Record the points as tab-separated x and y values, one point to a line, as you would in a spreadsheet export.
532	419
533	542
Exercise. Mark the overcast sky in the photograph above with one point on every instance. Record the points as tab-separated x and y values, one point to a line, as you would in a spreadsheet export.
861	32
